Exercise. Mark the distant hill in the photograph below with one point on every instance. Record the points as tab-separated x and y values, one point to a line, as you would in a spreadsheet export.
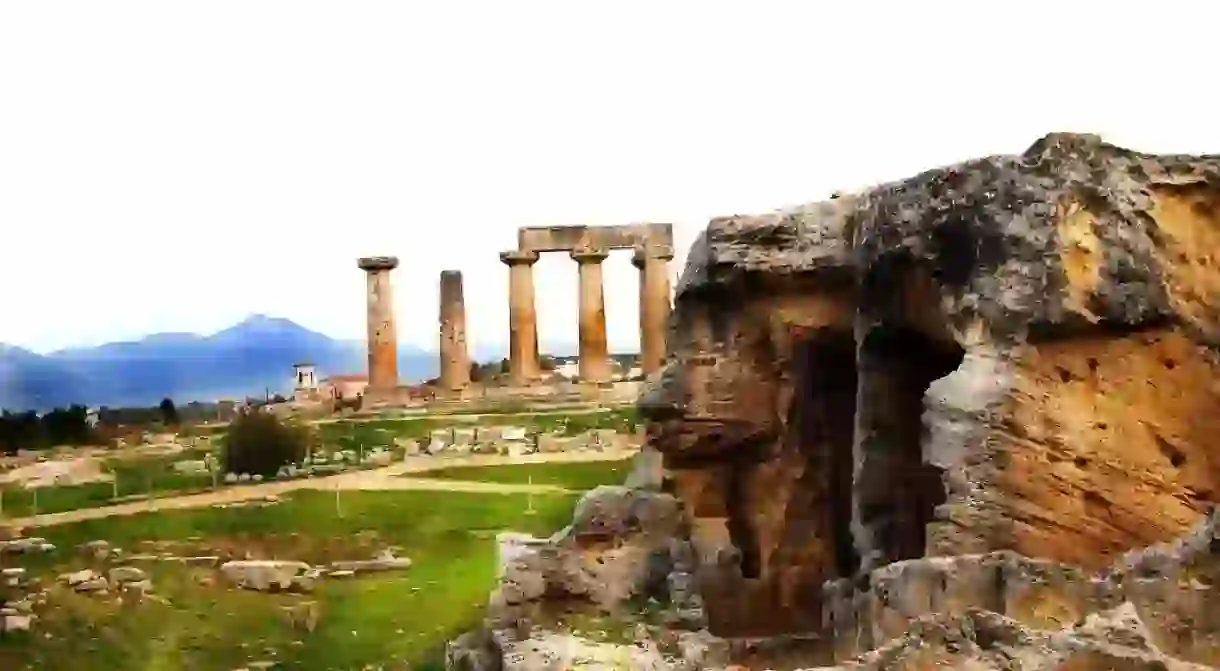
245	359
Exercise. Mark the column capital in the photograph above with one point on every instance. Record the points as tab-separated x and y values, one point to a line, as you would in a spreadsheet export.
372	264
586	255
658	252
518	257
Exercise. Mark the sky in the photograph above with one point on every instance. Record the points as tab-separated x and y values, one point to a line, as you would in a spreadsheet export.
175	166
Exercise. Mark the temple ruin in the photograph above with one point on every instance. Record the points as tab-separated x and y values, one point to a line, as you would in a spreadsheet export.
589	246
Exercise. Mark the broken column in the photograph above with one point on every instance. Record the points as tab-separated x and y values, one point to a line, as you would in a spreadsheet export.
594	353
382	339
652	261
522	318
455	361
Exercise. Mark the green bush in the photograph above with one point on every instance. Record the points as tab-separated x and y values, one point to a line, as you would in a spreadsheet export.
260	443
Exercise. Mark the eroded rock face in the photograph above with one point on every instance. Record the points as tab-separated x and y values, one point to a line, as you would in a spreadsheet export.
1011	354
960	421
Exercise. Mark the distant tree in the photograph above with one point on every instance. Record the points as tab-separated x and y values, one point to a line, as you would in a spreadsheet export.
278	398
476	372
169	414
260	443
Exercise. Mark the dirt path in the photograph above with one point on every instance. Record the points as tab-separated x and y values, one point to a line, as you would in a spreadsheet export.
387	478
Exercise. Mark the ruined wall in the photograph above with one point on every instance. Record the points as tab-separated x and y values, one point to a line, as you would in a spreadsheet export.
1014	353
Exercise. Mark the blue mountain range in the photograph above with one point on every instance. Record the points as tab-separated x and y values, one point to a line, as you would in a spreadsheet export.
246	359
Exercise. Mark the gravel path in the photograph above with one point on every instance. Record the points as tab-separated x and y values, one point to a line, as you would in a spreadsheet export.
387	478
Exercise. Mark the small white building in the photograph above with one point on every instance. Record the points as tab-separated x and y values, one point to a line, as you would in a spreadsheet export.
304	382
305	377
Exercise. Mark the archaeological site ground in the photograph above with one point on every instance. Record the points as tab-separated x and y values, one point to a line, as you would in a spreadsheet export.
965	420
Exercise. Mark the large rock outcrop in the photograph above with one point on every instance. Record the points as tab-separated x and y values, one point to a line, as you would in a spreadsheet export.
961	403
1014	353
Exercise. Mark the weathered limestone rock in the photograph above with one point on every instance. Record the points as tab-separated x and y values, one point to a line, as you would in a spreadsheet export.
1014	353
942	420
980	640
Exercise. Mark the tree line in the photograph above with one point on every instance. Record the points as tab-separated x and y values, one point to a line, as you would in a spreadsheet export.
30	430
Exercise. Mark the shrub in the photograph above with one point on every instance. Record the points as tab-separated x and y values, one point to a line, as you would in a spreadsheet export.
259	442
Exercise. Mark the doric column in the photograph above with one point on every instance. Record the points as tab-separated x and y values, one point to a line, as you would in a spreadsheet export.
652	261
522	319
455	360
382	338
594	354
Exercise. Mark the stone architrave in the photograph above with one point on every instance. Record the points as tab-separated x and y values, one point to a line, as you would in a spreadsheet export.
382	337
455	359
594	352
652	262
522	318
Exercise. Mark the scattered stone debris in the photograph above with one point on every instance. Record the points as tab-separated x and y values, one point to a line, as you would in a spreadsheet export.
25	546
125	574
266	575
384	561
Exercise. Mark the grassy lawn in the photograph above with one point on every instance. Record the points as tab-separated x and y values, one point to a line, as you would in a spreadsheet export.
138	476
578	475
390	620
154	475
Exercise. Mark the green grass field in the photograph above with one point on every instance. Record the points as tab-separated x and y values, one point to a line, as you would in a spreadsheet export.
576	476
135	477
154	475
390	620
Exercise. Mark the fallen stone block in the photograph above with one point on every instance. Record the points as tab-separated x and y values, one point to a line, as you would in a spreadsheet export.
78	577
16	622
122	574
98	584
263	575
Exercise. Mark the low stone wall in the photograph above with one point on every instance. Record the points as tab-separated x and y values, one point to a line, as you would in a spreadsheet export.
515	440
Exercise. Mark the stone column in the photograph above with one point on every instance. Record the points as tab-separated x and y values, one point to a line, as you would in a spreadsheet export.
382	338
522	319
594	354
653	263
455	360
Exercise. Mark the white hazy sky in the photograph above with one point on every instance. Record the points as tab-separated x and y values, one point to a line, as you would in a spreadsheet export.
175	166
